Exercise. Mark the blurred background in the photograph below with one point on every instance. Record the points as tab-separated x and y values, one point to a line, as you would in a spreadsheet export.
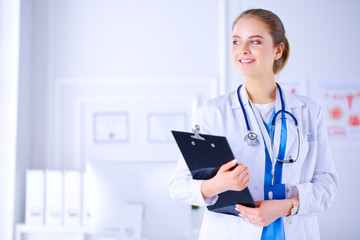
69	69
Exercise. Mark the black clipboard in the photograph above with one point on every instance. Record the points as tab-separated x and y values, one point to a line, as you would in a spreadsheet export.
204	154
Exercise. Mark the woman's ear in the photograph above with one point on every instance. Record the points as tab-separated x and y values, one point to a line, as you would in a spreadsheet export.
279	51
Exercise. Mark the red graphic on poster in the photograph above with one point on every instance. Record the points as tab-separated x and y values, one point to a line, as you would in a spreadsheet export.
336	131
354	120
349	97
336	113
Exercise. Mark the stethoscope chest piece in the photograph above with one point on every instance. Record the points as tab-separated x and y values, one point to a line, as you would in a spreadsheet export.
251	138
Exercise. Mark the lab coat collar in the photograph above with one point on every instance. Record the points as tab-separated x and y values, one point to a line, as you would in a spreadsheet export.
291	100
235	103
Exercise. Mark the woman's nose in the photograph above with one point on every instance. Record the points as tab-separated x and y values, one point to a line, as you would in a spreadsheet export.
244	49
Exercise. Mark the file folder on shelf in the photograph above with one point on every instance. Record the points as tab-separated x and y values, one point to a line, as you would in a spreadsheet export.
86	214
53	198
204	155
34	203
72	198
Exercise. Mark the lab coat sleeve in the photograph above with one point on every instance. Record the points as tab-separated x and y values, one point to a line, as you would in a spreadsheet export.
319	193
183	188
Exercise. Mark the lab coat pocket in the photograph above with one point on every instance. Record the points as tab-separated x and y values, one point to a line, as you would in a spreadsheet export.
308	144
302	170
292	171
310	136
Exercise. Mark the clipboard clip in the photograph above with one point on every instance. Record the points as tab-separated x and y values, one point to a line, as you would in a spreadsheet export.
197	133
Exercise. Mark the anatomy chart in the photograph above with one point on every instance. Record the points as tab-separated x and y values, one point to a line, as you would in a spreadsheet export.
342	110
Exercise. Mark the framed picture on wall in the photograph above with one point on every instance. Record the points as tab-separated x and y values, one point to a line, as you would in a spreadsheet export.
160	125
133	128
111	127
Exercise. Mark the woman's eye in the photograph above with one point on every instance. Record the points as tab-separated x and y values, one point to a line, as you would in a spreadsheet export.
255	42
235	42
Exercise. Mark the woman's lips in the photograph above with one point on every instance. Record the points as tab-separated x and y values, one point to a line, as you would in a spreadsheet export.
246	61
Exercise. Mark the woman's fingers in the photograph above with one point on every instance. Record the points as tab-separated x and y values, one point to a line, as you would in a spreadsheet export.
242	211
227	166
239	169
241	176
233	176
247	210
249	214
244	173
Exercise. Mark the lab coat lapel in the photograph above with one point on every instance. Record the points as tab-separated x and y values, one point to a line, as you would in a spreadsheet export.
250	115
293	105
252	156
277	132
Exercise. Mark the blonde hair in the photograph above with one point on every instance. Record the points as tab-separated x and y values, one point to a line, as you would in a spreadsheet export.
277	32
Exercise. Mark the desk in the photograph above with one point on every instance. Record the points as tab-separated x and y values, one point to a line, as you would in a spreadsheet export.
80	233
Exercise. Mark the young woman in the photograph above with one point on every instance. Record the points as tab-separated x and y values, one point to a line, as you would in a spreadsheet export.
288	169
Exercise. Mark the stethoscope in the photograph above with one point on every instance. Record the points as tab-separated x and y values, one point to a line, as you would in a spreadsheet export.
251	137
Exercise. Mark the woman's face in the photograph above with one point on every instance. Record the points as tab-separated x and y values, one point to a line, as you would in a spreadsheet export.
252	50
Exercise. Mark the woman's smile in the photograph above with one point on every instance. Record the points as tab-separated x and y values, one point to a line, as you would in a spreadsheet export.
246	61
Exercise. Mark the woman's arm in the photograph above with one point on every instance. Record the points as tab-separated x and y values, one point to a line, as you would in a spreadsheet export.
184	189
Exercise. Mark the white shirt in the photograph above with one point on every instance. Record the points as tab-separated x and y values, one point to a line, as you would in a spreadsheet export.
313	175
265	110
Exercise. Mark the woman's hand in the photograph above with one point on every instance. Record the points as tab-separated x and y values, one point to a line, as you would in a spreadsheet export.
266	211
231	176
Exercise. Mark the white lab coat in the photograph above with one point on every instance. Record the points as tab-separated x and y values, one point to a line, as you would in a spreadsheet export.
313	176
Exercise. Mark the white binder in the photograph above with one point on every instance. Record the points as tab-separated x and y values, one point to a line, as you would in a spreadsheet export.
86	212
53	198
34	205
72	198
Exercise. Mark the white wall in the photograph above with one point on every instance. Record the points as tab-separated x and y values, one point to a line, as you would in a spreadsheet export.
9	60
115	40
72	46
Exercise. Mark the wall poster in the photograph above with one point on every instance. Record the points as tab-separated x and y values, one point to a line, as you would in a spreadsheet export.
342	109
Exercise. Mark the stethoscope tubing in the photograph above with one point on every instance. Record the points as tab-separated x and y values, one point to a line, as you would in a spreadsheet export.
253	142
243	109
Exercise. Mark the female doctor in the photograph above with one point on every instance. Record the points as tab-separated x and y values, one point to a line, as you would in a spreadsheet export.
288	170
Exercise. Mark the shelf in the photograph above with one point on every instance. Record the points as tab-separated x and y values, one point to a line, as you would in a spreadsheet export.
31	229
